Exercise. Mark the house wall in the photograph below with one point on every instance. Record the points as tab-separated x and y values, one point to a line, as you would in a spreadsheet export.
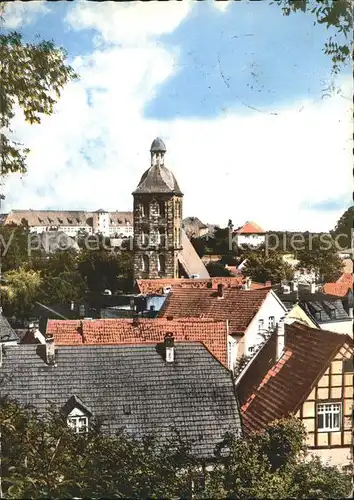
298	314
335	386
252	337
254	240
344	327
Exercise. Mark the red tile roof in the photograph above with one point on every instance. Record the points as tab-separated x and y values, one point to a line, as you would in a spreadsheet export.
213	334
237	306
341	287
156	286
250	228
270	390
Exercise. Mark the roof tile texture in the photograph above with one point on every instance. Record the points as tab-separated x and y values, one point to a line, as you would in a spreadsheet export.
213	334
237	306
195	394
271	390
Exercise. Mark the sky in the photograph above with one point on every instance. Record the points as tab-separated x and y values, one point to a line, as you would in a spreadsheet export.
236	90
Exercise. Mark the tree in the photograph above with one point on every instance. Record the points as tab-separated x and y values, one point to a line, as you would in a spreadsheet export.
264	266
337	15
43	458
217	269
103	269
319	255
13	247
32	76
20	291
271	464
343	230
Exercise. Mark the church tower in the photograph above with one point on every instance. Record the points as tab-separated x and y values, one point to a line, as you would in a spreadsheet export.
157	219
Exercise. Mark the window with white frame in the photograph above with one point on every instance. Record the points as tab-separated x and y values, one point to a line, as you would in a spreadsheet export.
260	325
329	416
78	421
271	322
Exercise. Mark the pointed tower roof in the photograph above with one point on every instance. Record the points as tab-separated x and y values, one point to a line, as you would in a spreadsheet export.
158	179
158	146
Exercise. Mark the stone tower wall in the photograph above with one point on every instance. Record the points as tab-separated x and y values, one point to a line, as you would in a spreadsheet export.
168	222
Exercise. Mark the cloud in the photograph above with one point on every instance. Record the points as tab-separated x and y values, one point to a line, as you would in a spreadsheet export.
129	23
243	164
221	5
18	14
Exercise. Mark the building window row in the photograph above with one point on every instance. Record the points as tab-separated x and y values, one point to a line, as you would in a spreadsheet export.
161	263
159	208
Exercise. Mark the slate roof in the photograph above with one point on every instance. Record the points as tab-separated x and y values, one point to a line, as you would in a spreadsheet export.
7	334
64	218
190	260
237	306
271	390
131	387
156	286
156	180
158	146
212	333
323	307
250	227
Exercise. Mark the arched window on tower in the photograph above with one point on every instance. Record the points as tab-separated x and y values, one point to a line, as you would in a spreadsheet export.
178	208
161	208
145	209
145	236
145	263
161	264
162	236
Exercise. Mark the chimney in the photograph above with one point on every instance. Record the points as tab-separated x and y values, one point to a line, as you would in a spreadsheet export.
220	291
313	287
248	283
50	350
169	348
280	332
294	285
268	283
72	306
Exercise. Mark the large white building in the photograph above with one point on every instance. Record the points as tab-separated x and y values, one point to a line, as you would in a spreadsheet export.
114	224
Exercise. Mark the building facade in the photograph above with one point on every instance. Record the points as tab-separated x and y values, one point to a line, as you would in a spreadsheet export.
157	220
71	222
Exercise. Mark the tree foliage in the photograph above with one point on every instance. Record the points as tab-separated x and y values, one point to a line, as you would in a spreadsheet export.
32	77
319	254
43	458
344	229
20	290
264	266
337	16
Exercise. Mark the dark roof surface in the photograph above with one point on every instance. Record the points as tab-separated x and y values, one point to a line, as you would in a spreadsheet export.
158	146
195	394
271	390
7	334
237	306
320	306
158	179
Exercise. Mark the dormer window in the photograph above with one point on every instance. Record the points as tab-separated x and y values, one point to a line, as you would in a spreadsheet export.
78	421
77	415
